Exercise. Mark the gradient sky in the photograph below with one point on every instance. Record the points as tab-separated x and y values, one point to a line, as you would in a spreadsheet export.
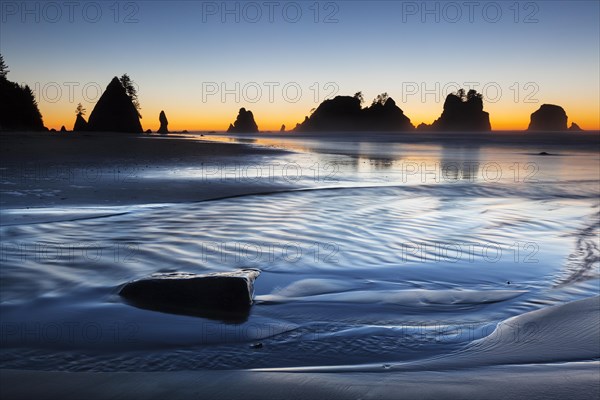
180	53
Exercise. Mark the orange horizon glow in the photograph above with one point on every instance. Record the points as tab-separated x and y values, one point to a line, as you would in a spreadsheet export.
219	122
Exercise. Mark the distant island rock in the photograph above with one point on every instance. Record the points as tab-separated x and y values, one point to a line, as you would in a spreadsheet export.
549	117
574	127
163	123
244	123
18	107
345	113
462	112
282	129
115	112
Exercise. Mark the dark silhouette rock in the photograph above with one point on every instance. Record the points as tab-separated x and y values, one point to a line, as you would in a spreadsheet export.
282	129
63	129
18	107
574	127
148	131
244	123
52	130
385	115
80	124
548	117
423	127
543	153
225	296
344	113
341	113
163	123
115	111
463	112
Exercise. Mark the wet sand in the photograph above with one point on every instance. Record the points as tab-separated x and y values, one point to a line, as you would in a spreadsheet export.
40	169
43	170
557	381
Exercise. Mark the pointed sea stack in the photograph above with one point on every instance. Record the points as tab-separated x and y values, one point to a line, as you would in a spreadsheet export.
244	123
548	117
164	122
115	112
575	128
80	124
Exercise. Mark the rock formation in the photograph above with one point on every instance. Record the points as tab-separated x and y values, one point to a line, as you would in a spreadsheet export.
548	117
115	111
574	127
63	129
244	123
462	112
282	129
80	124
227	295
344	113
163	123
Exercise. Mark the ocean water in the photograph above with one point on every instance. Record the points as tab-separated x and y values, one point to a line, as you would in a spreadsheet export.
371	253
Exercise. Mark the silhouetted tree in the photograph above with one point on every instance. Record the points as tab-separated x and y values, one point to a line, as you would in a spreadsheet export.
359	96
18	107
3	68
472	94
461	94
80	110
381	99
128	84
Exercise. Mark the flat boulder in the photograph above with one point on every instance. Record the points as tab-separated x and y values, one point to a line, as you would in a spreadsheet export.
222	295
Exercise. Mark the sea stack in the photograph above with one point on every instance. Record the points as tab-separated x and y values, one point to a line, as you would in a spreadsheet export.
244	123
163	123
344	113
575	128
549	117
462	112
115	111
80	124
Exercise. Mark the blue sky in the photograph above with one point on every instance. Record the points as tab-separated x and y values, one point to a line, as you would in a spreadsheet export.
179	52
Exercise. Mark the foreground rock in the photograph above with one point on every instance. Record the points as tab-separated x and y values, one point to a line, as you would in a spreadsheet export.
164	123
548	117
225	295
244	123
115	111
